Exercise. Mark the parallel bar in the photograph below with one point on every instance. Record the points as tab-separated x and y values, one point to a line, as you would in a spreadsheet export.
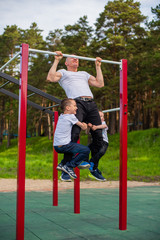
55	163
22	124
31	88
35	105
67	55
7	63
123	148
111	110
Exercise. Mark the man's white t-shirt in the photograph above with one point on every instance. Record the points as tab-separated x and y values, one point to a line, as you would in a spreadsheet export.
62	135
104	133
75	84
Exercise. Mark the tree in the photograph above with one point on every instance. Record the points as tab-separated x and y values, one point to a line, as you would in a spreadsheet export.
116	29
152	66
76	38
9	41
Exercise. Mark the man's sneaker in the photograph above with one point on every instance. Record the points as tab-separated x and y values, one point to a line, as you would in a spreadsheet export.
84	165
65	177
96	174
70	171
59	167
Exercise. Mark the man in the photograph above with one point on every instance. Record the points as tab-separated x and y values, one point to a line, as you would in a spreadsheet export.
76	85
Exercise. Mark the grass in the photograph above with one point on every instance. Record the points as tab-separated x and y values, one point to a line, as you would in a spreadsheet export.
143	157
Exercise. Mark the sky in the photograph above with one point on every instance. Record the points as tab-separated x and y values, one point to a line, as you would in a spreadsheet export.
55	14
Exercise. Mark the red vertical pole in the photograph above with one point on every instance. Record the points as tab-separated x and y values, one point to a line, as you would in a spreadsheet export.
77	190
55	163
123	147
22	143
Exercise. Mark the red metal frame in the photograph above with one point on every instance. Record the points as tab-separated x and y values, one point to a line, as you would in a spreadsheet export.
55	163
77	190
22	143
22	151
123	148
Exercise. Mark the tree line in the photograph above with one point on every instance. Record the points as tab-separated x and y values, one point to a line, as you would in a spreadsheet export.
120	32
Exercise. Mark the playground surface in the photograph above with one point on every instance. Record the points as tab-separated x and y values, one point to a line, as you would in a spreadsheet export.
98	218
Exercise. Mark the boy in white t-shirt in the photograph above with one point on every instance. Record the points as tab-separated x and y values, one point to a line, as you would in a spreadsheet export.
94	161
62	138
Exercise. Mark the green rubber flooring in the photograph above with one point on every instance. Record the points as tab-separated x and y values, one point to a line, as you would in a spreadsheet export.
99	217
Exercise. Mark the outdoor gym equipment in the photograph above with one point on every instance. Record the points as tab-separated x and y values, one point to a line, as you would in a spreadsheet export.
24	52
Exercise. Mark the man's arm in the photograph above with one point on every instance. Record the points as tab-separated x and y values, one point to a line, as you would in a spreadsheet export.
98	81
53	75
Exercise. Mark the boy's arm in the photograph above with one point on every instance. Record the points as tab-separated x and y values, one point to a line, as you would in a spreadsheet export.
102	126
83	125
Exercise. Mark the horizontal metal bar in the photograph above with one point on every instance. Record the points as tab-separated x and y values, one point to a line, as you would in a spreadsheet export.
111	110
7	63
35	105
67	55
31	88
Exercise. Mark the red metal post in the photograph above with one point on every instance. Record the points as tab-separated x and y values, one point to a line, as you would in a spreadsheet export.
77	190
55	163
22	143
123	148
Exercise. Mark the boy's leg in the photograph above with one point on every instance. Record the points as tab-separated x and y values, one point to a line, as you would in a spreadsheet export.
97	156
94	171
81	153
97	139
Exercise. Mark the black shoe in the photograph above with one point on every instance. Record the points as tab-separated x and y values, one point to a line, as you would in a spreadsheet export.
65	177
70	171
96	174
59	167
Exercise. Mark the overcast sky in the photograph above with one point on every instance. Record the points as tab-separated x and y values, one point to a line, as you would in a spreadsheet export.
53	14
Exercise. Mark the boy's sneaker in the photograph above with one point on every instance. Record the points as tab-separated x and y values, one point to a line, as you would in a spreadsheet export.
84	165
65	177
96	174
91	166
59	167
70	171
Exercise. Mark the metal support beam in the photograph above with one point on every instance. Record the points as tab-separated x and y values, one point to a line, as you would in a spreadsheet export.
4	84
7	63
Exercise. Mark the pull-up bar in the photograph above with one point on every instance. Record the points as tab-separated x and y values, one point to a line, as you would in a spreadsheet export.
67	55
111	110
